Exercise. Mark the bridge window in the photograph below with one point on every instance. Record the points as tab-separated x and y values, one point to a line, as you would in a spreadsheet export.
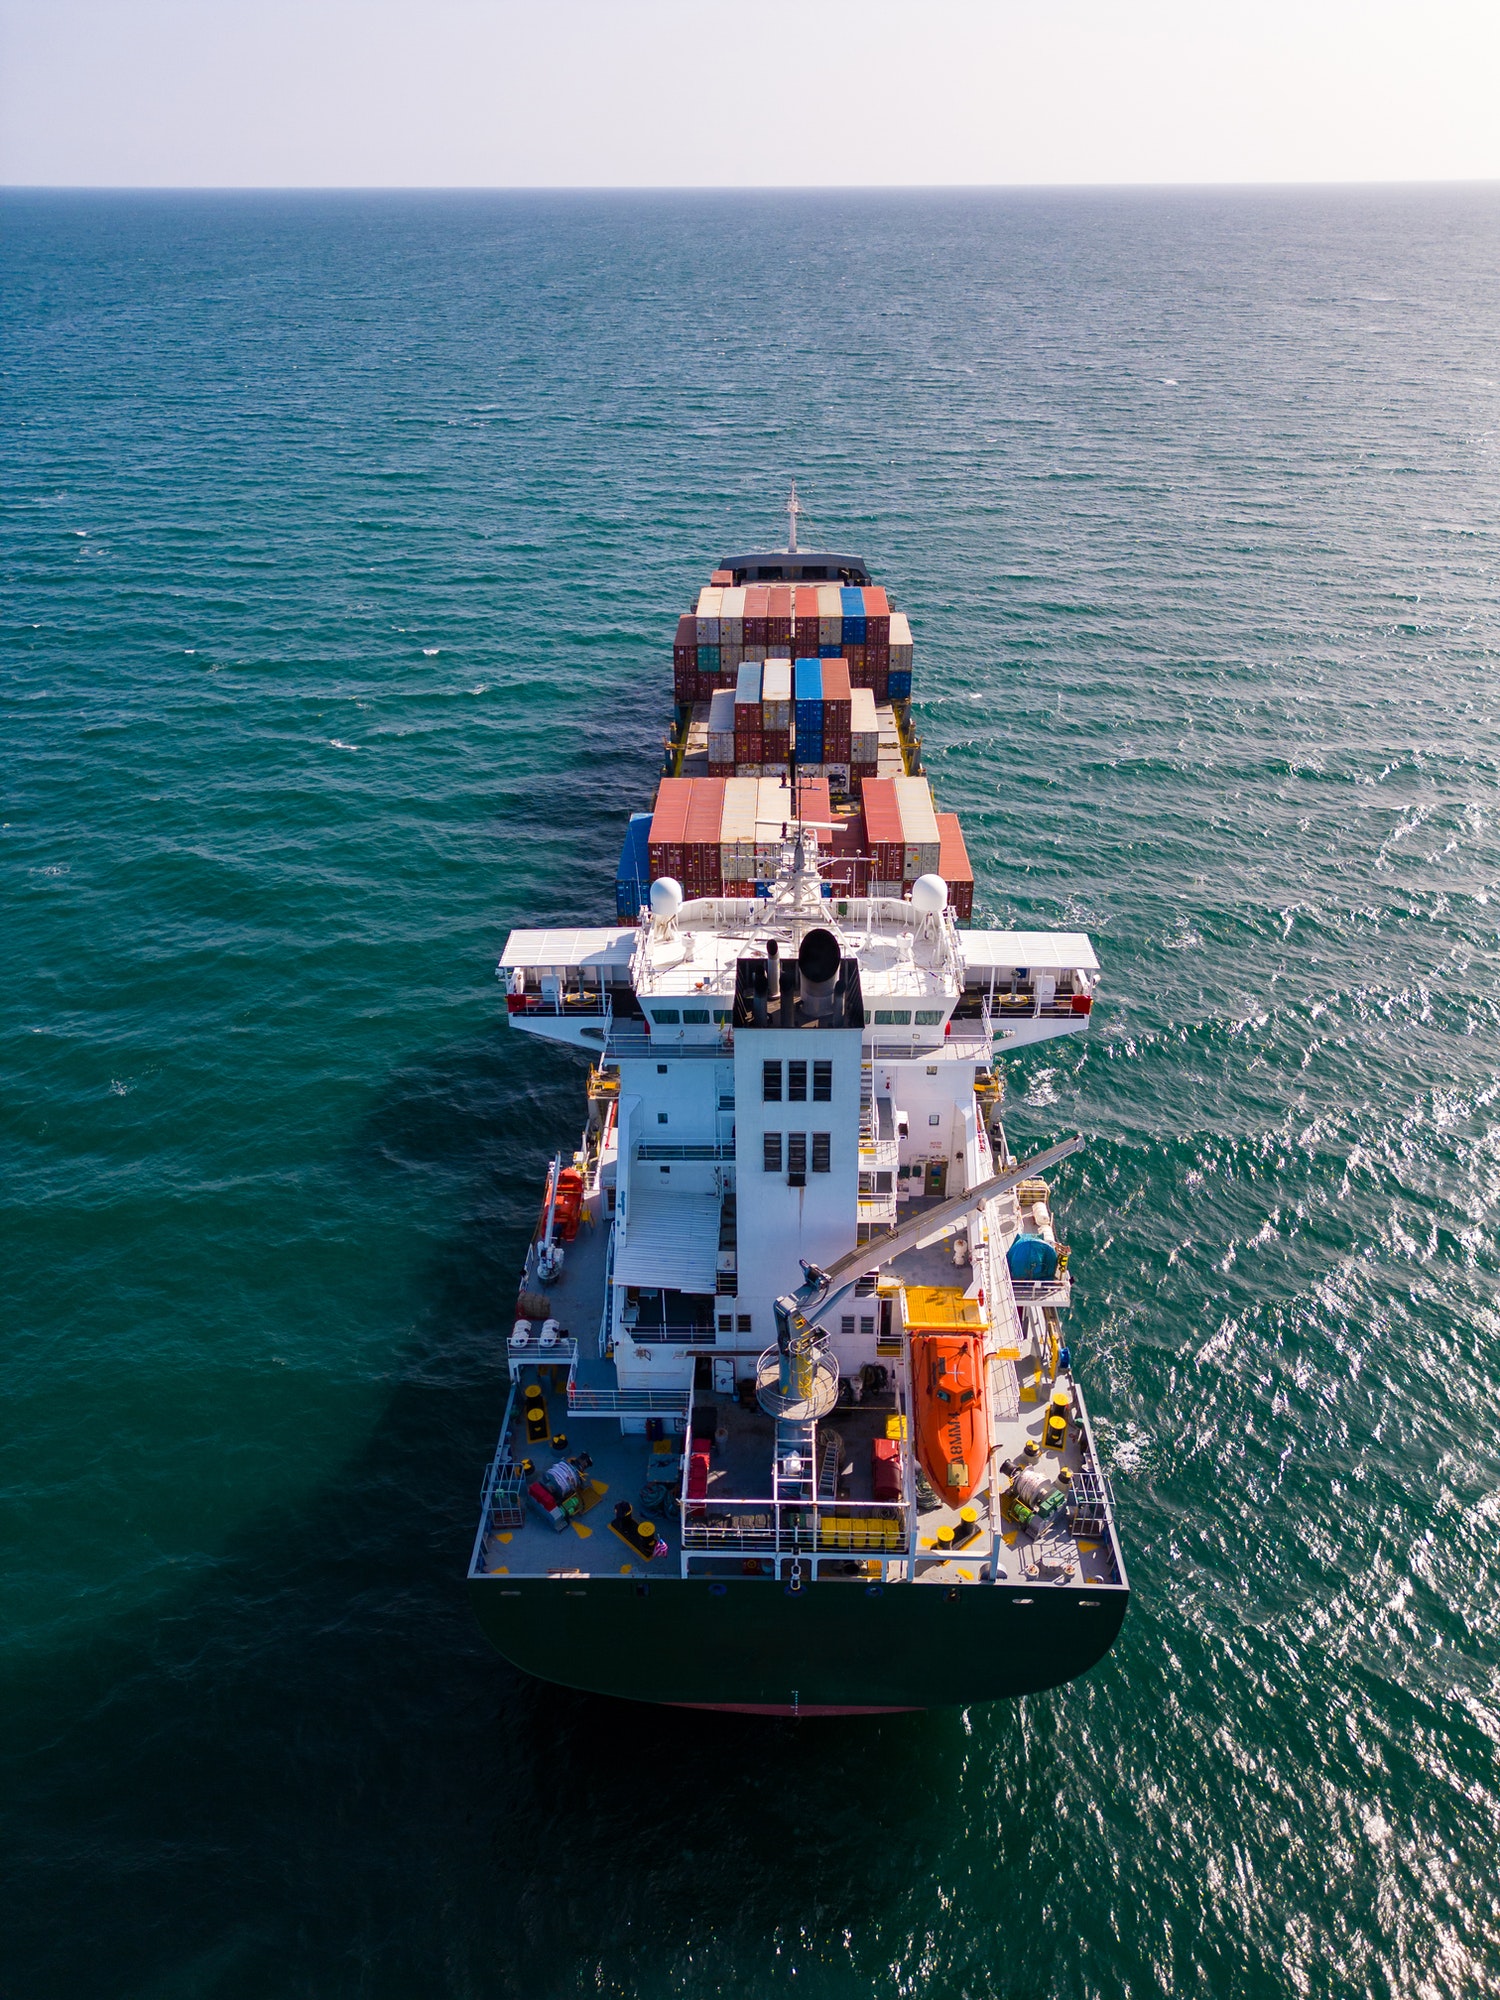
927	1017
664	1017
892	1017
697	1017
770	1082
771	1144
796	1082
796	1158
822	1151
822	1083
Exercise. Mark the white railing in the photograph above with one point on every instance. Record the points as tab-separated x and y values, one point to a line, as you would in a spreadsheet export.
853	1528
563	1352
586	1402
1056	1292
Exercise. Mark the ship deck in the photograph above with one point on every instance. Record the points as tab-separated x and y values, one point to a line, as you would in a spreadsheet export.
647	1472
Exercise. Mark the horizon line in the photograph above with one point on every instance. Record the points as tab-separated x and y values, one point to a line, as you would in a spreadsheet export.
723	187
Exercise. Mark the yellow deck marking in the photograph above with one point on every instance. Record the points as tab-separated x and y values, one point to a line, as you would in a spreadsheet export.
582	1528
1010	1539
499	1570
625	1568
504	1536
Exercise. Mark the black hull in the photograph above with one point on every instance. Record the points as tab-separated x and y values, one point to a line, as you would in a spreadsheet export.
831	1648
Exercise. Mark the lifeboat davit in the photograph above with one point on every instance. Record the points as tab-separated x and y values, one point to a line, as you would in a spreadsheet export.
953	1429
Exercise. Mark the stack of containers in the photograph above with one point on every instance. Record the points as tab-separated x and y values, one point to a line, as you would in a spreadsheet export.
921	844
776	713
772	808
805	621
668	825
899	683
709	600
749	745
721	733
701	836
685	660
877	639
830	621
953	866
633	876
809	699
847	869
779	620
837	721
722	576
864	738
737	836
757	617
731	632
852	601
883	837
814	803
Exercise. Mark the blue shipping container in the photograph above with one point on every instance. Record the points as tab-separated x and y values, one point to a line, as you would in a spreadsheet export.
708	659
852	602
898	686
809	681
830	652
633	876
809	745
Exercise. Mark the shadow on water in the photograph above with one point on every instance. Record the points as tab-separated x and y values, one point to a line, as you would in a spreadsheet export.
312	1776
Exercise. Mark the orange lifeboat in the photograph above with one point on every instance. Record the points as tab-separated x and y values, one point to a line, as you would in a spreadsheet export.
952	1425
568	1209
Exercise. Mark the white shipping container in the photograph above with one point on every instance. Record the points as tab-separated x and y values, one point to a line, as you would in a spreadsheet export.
737	829
773	808
747	690
732	615
900	643
864	727
919	828
776	694
709	599
830	615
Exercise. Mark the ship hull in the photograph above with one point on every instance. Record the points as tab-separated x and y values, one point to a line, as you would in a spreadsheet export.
833	1648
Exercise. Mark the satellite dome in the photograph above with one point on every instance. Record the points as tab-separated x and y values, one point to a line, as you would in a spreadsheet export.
929	895
666	898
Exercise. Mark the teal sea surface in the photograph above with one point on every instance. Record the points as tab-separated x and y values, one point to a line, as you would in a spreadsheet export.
344	538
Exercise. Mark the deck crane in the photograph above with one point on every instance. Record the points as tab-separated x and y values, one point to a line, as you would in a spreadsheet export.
799	1314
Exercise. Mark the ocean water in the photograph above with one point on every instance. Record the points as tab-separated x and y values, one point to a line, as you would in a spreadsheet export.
344	538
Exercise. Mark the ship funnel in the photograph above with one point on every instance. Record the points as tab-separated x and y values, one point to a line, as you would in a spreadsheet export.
818	961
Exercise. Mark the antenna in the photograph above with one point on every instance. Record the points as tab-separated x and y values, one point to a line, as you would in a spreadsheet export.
793	509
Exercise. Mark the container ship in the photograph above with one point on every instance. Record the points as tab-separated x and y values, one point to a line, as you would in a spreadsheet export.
792	1423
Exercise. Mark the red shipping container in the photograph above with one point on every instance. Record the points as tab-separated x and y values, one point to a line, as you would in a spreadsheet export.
722	576
814	803
805	620
668	825
776	746
877	613
779	615
954	865
836	717
757	614
884	837
878	680
700	838
878	649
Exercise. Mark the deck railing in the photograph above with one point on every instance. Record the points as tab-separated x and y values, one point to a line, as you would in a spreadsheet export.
854	1528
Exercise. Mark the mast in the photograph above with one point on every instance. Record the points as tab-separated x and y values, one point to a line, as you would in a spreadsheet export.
793	509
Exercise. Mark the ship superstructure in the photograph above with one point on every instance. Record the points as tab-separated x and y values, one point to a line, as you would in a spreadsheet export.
792	1425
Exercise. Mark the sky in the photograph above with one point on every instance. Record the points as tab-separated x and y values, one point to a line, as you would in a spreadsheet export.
718	93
